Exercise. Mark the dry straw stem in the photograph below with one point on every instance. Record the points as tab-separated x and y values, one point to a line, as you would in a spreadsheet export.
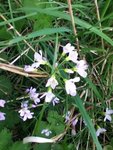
11	27
20	71
73	23
98	17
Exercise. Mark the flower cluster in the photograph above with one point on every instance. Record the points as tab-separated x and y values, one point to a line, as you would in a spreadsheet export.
2	115
25	112
80	67
46	132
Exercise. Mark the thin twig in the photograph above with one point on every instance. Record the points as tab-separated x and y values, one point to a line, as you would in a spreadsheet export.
98	17
73	24
20	71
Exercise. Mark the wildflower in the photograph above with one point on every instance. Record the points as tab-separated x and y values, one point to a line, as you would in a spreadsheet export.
29	68
67	116
52	82
2	102
25	114
81	68
2	116
68	48
73	56
39	59
74	122
108	114
55	101
70	86
46	132
69	70
24	104
48	96
100	130
33	95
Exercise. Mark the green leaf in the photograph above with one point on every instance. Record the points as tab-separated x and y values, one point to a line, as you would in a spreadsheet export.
5	139
87	119
78	21
43	146
5	86
19	146
108	147
47	31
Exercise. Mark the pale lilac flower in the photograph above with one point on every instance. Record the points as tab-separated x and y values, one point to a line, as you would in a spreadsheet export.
81	68
2	116
52	82
68	48
33	95
31	90
108	114
2	102
39	58
25	114
48	96
74	122
29	68
73	56
47	132
100	130
55	101
24	104
70	86
67	116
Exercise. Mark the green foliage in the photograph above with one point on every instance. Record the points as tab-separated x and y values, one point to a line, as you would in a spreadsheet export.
5	139
5	86
41	21
6	142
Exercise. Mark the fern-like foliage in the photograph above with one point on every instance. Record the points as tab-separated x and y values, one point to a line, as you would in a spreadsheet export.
6	142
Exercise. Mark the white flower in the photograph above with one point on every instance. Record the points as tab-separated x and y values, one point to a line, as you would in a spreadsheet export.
39	59
73	56
46	132
70	86
108	114
48	96
2	116
81	68
52	82
29	68
69	70
100	130
2	102
25	114
55	101
68	48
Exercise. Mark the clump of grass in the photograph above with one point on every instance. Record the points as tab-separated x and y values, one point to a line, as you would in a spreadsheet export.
30	26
